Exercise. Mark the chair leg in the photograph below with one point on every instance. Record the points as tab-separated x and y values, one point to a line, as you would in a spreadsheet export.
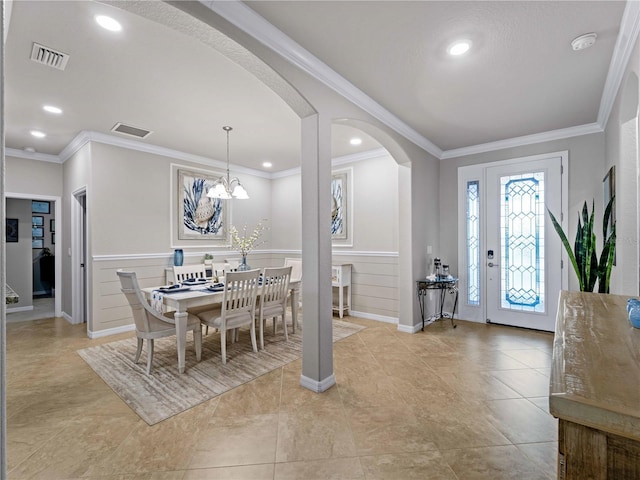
139	351
274	326
223	345
252	332
284	327
262	322
149	355
197	339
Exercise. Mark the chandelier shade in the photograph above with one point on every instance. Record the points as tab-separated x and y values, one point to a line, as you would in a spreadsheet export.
226	187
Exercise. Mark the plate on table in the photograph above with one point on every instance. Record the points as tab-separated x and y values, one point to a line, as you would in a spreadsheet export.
216	287
194	281
174	289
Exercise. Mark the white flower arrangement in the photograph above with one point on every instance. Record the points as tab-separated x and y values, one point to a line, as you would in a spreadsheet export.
244	244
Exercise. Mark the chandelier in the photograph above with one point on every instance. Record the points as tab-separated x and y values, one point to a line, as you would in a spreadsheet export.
226	187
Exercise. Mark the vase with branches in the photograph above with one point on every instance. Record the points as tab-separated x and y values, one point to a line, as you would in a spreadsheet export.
245	243
583	256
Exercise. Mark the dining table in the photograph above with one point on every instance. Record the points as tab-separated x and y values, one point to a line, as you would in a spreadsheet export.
199	295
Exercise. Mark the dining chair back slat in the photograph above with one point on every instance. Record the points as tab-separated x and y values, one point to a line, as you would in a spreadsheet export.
185	272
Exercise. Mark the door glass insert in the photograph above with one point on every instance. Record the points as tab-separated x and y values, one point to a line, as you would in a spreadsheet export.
522	242
473	243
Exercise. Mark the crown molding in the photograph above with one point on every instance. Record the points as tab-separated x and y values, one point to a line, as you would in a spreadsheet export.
41	157
257	27
559	134
627	35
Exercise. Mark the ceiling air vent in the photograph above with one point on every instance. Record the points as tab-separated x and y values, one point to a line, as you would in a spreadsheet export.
49	57
129	130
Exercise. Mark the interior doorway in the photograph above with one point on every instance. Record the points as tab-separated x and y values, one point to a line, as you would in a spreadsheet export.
37	218
79	257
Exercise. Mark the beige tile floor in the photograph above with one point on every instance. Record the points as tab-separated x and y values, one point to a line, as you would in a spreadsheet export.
468	403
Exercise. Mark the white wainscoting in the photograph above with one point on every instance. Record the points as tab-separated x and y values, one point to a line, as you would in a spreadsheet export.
374	282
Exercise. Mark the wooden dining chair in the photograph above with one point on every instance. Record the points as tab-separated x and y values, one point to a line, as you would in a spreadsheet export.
237	309
186	272
272	302
151	324
296	276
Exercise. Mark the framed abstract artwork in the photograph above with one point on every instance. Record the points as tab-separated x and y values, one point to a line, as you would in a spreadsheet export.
37	232
341	196
38	206
37	221
198	216
37	243
11	229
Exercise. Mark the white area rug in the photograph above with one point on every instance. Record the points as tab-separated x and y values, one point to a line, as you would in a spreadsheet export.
165	392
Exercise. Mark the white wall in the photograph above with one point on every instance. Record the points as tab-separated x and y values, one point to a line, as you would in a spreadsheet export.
374	254
622	151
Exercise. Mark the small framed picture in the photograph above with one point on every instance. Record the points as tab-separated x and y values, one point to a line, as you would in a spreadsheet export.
11	229
37	232
37	221
40	206
52	225
37	242
53	238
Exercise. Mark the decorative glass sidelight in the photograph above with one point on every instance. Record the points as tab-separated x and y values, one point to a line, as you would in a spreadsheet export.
473	243
522	242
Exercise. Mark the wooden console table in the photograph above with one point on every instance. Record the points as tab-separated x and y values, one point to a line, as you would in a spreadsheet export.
595	388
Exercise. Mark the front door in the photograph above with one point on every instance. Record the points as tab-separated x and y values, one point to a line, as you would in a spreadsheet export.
517	274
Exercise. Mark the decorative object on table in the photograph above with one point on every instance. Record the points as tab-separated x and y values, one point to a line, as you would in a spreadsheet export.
583	258
226	187
245	243
340	205
11	230
208	260
633	309
178	257
198	216
608	192
166	393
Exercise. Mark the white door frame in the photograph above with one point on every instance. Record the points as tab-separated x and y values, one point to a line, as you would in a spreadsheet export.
78	286
478	172
57	248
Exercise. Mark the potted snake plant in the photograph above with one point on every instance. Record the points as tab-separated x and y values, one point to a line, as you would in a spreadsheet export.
583	257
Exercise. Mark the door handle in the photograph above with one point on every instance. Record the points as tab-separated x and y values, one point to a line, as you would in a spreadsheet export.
491	264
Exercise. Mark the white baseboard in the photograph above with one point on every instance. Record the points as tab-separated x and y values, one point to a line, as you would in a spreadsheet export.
111	331
316	386
410	329
19	309
373	316
69	318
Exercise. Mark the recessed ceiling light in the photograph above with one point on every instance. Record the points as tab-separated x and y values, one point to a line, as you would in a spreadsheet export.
108	23
583	41
355	141
267	164
38	134
52	109
459	47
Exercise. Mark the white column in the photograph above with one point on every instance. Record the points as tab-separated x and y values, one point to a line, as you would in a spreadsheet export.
317	342
407	306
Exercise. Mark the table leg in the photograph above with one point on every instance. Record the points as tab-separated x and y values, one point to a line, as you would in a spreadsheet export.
181	337
294	308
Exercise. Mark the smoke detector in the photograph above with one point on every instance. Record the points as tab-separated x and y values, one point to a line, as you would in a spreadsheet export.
583	41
